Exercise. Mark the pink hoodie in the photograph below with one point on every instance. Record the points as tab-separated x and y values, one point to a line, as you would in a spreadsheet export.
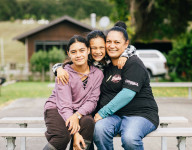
73	97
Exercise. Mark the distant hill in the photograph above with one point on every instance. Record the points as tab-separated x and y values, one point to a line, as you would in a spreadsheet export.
14	51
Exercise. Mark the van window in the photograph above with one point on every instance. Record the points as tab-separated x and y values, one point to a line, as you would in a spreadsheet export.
148	55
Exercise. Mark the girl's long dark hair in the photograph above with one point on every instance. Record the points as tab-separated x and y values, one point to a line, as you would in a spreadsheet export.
74	39
77	38
92	35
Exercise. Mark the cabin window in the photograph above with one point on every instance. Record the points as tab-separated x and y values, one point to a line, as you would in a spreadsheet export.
48	45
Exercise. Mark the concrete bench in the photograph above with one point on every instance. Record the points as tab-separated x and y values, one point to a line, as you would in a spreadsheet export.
24	121
11	133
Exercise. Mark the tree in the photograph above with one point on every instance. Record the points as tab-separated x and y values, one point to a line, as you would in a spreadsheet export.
41	60
52	9
56	55
155	18
7	9
40	63
180	58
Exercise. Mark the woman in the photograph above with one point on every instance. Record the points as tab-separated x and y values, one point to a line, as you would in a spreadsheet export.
127	106
98	55
68	109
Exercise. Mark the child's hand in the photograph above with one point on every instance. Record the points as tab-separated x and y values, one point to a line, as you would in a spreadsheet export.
121	62
62	75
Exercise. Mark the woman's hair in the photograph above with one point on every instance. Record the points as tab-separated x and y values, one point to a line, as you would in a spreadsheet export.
120	27
121	24
77	38
95	34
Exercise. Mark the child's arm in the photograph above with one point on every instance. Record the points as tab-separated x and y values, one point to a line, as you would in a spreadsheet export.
129	51
55	67
62	74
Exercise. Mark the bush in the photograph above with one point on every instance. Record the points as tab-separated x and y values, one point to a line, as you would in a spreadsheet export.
41	60
180	58
40	63
56	55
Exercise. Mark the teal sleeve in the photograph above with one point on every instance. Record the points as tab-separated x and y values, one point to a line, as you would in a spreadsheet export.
119	101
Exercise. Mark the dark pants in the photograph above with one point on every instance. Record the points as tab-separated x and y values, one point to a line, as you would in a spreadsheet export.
57	133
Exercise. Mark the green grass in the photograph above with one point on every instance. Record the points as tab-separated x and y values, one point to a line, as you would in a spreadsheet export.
24	90
41	89
14	51
170	92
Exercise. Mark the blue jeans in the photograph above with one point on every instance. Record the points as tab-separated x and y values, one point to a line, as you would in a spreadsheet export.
132	130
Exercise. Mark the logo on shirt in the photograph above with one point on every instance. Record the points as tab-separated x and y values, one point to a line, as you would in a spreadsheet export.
116	78
131	82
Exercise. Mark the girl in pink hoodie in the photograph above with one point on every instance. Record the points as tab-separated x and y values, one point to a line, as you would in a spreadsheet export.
68	109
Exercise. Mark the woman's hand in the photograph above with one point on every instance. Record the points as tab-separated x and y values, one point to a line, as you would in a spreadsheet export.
121	62
73	123
78	142
97	117
62	75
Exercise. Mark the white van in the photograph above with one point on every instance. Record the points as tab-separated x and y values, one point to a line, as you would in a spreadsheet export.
154	61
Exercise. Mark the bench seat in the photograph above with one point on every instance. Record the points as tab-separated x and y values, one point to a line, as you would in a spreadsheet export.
38	120
39	132
22	132
24	121
12	133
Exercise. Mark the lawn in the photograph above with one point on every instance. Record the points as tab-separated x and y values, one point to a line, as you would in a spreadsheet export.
170	92
41	89
24	89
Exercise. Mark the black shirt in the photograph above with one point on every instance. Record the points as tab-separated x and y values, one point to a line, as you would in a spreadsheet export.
133	76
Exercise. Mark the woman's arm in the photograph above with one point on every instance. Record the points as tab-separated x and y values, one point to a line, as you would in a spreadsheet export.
118	102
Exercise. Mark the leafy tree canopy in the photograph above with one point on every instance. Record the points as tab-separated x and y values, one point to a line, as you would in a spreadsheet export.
41	59
51	9
154	18
56	55
180	58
